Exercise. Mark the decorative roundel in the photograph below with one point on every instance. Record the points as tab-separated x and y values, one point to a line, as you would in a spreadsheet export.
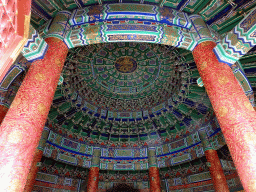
126	64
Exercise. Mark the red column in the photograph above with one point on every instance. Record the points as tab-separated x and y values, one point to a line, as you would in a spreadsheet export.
31	179
234	112
23	124
154	179
34	168
216	171
3	111
93	179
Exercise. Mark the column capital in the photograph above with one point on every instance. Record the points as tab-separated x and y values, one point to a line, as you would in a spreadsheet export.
238	41
59	25
152	159
200	30
95	162
43	139
35	47
93	179
204	139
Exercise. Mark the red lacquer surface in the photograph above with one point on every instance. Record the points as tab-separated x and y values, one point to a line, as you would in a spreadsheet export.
154	179
22	127
234	112
3	111
93	179
14	28
216	171
31	179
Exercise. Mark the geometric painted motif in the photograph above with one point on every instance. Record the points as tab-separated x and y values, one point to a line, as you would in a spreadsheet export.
43	139
149	25
69	151
35	47
243	81
133	31
200	29
238	41
105	79
126	11
119	16
59	25
52	182
47	178
199	177
13	72
121	22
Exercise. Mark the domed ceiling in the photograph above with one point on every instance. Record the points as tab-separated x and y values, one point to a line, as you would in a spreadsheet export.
120	95
128	92
123	77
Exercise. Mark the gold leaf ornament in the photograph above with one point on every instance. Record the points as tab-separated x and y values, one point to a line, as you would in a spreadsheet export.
58	62
223	111
204	65
41	109
223	80
40	77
